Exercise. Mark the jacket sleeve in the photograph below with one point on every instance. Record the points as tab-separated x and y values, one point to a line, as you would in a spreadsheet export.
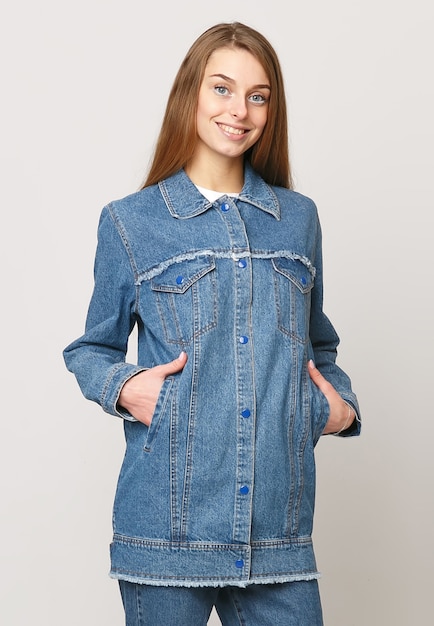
97	358
325	341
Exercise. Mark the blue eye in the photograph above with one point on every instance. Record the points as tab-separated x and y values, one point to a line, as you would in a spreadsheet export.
221	90
258	98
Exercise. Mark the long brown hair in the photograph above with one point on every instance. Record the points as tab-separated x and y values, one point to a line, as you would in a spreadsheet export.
177	140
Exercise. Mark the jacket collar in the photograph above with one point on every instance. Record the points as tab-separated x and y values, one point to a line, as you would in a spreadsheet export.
184	200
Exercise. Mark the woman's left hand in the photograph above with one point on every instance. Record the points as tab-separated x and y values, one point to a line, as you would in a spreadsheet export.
341	414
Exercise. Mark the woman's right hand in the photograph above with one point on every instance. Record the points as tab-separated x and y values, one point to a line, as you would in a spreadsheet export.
140	393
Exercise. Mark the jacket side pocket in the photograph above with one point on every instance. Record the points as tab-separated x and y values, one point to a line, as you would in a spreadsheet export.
159	412
320	412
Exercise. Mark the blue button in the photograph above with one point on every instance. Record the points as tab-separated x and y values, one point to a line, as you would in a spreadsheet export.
242	263
245	413
244	339
303	281
244	490
179	280
225	207
239	563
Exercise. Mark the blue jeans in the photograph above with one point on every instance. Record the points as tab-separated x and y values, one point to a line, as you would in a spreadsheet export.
282	604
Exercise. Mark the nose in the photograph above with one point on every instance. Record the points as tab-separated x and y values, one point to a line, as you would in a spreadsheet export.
238	108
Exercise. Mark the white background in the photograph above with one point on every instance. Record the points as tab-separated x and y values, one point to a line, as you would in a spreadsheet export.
84	85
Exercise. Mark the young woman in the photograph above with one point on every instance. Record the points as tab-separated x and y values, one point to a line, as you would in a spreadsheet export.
218	263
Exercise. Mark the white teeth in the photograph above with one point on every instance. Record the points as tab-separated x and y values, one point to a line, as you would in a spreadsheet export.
231	130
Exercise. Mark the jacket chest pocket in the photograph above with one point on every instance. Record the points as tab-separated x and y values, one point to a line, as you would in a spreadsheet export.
293	283
186	297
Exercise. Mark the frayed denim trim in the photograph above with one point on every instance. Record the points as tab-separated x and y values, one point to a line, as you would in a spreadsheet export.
223	254
266	580
180	258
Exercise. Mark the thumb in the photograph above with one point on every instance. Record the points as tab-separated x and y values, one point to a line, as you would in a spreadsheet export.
318	378
174	366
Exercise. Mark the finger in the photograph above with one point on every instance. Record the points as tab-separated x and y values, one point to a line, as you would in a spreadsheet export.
173	366
318	378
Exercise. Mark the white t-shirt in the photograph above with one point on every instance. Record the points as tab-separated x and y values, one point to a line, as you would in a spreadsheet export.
212	195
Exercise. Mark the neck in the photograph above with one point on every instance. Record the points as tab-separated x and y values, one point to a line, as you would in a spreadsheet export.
226	175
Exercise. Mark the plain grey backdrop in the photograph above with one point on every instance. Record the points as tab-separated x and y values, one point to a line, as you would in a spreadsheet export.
84	85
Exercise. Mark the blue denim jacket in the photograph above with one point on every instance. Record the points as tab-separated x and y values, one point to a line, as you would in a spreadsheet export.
219	490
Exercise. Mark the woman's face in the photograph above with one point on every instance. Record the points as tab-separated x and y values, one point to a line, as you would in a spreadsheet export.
232	105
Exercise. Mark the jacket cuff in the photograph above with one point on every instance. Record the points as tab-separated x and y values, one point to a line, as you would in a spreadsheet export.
117	377
354	429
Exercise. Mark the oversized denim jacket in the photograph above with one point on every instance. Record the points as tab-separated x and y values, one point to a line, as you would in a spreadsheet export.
219	490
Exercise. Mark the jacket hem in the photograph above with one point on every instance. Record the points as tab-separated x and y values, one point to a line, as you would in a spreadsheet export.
269	580
205	564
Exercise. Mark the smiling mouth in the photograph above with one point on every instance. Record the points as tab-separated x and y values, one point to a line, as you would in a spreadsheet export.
231	130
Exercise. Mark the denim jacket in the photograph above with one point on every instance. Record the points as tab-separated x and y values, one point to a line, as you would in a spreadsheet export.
219	489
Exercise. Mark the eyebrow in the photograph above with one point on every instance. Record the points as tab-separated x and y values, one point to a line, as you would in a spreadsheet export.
231	80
